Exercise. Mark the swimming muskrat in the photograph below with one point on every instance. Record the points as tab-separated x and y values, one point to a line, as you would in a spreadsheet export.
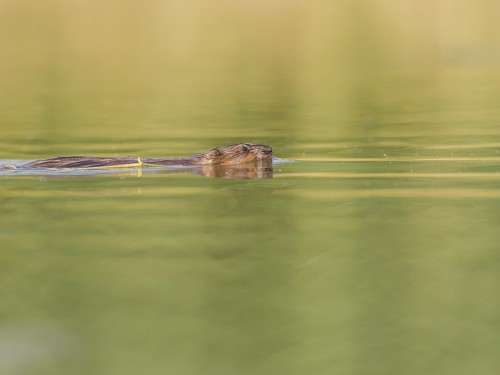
229	155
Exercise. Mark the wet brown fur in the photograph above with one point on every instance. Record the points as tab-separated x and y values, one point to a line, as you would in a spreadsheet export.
229	155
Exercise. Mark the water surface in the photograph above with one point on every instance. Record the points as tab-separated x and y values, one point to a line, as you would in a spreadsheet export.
376	252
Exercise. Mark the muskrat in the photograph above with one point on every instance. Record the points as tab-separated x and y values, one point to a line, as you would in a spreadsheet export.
229	155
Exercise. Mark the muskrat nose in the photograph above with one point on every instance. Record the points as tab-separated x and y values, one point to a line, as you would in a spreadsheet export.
267	150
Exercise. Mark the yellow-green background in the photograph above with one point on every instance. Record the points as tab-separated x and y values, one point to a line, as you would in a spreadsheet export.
376	253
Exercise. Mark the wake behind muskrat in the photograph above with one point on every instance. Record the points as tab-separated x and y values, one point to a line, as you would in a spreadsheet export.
242	153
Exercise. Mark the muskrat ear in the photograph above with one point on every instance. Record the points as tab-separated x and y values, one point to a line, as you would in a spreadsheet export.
215	154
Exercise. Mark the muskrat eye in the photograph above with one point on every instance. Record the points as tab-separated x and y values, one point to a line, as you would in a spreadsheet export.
245	148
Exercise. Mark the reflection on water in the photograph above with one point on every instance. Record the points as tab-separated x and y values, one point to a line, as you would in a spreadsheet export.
256	170
375	253
247	171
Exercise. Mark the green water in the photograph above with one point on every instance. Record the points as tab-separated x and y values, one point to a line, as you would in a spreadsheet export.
377	252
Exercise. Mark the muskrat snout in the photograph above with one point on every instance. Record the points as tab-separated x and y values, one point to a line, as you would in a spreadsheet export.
267	149
256	151
263	149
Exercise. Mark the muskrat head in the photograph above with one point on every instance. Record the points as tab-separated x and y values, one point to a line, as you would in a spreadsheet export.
237	154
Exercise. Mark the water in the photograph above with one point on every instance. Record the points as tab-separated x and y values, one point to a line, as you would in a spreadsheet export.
376	252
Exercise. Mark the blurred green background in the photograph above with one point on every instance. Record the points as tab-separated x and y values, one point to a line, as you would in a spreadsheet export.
376	253
190	74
